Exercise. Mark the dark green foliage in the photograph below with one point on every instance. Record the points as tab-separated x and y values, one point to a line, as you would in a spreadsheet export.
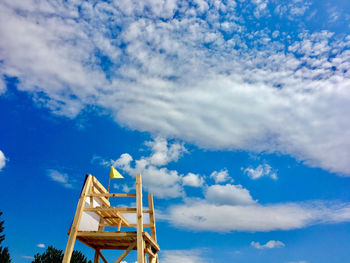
53	255
4	255
4	252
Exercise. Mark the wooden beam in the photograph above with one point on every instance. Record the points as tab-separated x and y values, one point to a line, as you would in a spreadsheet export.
152	259
103	258
99	189
119	225
97	257
149	251
112	195
149	239
107	234
76	221
99	210
125	253
131	225
139	216
116	209
152	219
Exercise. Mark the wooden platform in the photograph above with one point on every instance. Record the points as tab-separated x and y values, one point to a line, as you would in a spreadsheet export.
118	240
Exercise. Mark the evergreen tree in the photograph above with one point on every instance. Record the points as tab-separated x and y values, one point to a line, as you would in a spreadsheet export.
4	252
53	255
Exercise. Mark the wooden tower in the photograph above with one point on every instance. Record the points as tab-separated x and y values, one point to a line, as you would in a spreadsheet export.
94	213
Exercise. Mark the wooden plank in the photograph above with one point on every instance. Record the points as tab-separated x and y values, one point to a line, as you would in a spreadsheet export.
103	258
126	252
144	225
149	239
152	217
107	234
112	195
99	189
149	252
98	185
97	257
131	225
117	209
139	216
76	221
111	212
119	225
152	259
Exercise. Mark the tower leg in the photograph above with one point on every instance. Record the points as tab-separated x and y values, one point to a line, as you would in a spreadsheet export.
97	257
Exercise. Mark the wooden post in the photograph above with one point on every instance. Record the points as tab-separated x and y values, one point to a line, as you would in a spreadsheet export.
152	220
97	257
75	225
139	216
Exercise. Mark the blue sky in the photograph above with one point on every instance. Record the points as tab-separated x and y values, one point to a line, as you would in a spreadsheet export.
235	112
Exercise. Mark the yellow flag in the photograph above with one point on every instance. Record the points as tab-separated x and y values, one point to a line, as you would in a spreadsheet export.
114	173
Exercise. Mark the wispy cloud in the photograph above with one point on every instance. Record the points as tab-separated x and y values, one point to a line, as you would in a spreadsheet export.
221	176
59	177
262	170
270	244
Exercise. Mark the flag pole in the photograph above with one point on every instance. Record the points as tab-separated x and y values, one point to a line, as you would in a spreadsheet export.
109	180
109	183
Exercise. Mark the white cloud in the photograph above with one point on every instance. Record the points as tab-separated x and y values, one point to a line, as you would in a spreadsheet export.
293	10
160	181
261	171
269	244
41	245
164	75
162	154
192	179
2	85
185	256
59	177
221	176
204	216
228	195
2	160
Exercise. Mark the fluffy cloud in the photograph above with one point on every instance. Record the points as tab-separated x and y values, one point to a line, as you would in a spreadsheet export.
162	154
159	180
228	195
204	216
2	160
269	244
221	176
260	171
166	74
192	180
59	177
41	245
